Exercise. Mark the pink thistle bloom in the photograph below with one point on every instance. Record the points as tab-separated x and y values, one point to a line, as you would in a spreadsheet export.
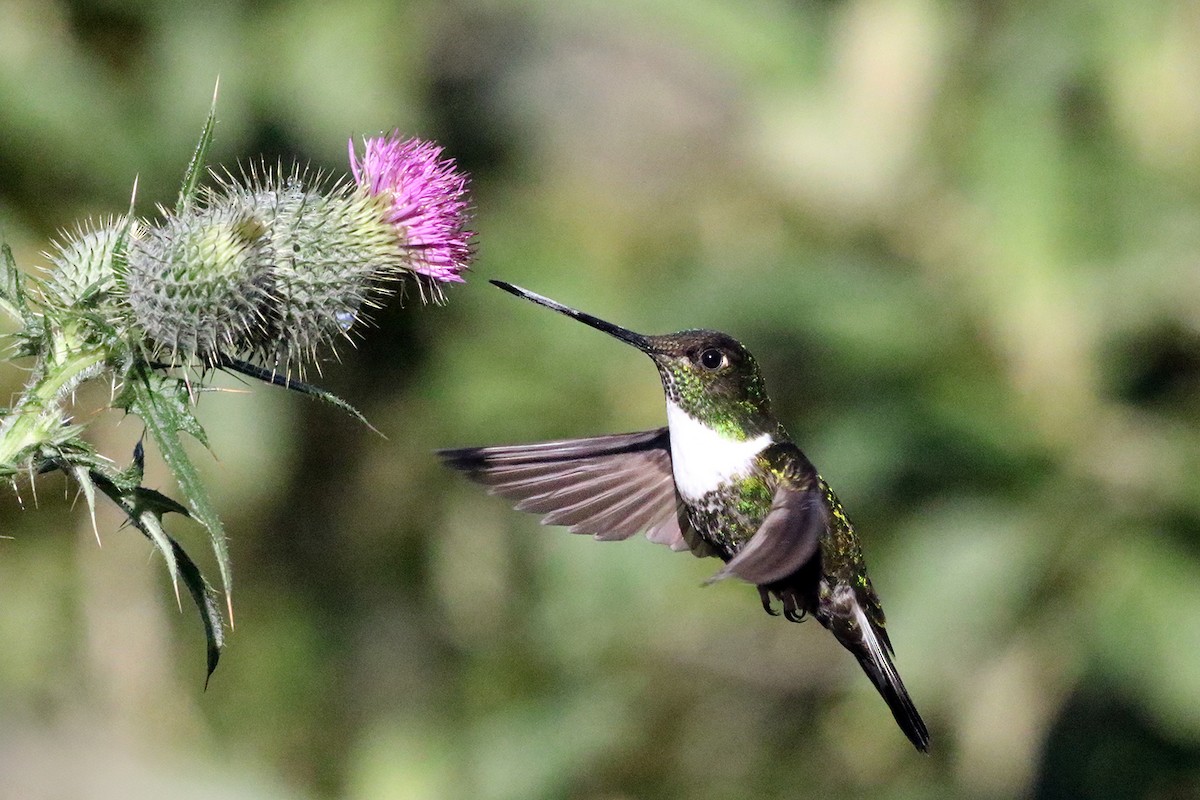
428	201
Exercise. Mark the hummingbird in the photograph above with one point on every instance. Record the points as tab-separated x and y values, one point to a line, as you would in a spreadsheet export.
723	478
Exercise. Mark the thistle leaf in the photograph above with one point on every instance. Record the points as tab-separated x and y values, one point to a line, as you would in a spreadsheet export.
164	409
205	599
145	516
195	170
82	476
12	287
175	399
149	523
145	509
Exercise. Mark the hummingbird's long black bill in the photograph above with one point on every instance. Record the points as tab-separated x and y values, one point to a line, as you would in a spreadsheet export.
639	341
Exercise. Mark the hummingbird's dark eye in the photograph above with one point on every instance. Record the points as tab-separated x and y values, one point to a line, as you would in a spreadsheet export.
712	358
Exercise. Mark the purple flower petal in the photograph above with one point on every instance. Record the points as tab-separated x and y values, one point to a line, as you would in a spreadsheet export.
428	202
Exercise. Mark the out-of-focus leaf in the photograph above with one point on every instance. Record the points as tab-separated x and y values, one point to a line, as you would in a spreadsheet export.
1146	638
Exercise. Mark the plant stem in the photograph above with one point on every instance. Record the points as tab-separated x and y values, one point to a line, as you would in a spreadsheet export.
37	418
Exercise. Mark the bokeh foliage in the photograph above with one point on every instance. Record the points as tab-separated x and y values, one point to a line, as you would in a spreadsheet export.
962	239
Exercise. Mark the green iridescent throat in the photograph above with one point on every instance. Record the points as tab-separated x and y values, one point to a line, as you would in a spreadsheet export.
734	405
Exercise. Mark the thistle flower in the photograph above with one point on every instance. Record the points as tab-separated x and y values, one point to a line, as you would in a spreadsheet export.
426	197
275	266
252	275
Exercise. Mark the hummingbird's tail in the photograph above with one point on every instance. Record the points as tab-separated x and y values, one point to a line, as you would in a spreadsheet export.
874	656
846	618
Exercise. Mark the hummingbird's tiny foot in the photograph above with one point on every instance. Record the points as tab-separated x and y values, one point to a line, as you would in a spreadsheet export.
766	602
791	609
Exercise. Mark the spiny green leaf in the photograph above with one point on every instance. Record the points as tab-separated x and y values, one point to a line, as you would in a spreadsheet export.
160	409
83	477
101	329
58	448
176	400
127	492
144	517
150	524
195	170
120	252
210	613
33	339
171	394
145	508
12	287
136	500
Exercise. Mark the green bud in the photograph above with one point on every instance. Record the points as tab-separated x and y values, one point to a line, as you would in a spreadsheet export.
271	270
330	254
197	283
82	265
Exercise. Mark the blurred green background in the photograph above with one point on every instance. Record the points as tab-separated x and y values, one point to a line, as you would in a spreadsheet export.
962	239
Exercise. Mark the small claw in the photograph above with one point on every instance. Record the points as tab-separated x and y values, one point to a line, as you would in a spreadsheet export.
766	601
791	610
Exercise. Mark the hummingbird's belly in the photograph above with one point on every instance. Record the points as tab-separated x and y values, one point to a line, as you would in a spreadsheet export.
728	516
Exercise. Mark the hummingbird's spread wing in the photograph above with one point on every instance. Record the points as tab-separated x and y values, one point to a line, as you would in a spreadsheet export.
608	486
792	529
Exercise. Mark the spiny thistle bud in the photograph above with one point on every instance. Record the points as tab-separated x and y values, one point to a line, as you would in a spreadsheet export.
197	282
331	252
274	269
82	264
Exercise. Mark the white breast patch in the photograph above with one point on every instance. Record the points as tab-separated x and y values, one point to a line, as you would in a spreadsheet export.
702	458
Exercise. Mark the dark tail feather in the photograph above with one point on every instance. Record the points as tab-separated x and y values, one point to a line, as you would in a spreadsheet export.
878	665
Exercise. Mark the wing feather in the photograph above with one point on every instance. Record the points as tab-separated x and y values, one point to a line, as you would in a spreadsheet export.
792	529
609	486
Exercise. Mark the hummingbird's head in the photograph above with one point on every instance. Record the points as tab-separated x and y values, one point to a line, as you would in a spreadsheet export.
709	375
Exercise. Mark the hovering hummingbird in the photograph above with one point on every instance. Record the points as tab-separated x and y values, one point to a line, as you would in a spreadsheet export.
723	479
